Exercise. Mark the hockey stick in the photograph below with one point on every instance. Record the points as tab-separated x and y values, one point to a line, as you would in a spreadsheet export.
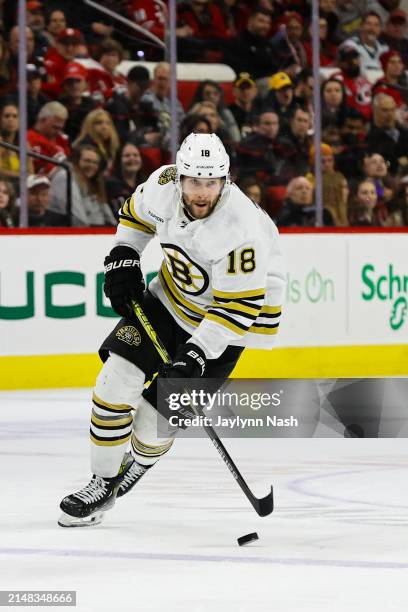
263	506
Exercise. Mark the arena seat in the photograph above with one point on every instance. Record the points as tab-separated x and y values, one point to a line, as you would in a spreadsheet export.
273	200
152	158
189	76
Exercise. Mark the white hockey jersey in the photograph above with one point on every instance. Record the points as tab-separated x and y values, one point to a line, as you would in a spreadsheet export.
222	277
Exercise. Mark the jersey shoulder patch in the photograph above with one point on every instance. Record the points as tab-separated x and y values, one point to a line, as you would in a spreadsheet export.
168	175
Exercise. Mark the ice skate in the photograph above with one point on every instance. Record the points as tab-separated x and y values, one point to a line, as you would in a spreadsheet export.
87	506
131	474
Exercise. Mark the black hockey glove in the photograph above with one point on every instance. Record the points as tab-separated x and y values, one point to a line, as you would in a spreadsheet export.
123	279
189	362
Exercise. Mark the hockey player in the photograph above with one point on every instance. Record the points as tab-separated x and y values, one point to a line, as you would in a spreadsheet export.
218	291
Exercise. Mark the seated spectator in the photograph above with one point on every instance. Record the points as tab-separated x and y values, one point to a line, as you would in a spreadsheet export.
252	50
155	109
245	109
124	107
394	81
89	199
253	188
327	10
47	137
35	97
151	16
335	197
98	130
357	87
304	90
12	67
386	136
398	207
296	142
328	49
8	211
334	185
299	208
205	20
353	134
38	196
376	168
261	152
290	54
194	123
56	22
127	174
363	209
210	91
10	160
103	77
56	59
281	98
75	98
366	42
395	33
36	21
333	102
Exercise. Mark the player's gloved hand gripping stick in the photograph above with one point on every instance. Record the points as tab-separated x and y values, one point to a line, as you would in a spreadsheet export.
263	506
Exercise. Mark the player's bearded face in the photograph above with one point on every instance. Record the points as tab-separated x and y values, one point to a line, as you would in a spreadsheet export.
200	195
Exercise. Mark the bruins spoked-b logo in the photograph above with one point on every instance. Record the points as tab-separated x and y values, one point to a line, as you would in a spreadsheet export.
169	174
129	334
188	275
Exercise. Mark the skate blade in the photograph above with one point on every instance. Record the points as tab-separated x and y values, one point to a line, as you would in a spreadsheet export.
66	520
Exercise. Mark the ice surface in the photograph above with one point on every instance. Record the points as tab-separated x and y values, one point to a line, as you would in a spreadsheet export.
336	542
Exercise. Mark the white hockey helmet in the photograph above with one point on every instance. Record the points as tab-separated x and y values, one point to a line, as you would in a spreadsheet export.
202	156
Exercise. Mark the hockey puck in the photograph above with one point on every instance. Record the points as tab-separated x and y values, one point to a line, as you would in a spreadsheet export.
250	537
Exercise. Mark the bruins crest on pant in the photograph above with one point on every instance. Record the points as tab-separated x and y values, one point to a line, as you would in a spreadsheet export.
129	334
169	174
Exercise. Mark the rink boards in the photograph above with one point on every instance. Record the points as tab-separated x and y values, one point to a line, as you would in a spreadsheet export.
345	310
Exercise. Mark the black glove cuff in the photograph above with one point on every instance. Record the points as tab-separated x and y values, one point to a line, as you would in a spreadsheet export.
194	356
121	257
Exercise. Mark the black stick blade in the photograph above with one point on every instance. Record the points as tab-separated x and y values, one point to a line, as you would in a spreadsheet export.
264	506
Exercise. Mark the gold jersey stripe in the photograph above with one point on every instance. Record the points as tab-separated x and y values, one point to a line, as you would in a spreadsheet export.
125	208
176	293
135	225
236	307
180	313
218	319
108	442
132	206
118	407
232	295
271	310
263	330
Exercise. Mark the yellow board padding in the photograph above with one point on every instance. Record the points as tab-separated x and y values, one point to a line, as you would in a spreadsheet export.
59	371
48	371
324	362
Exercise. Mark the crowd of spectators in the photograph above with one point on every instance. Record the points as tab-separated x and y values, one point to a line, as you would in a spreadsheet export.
112	126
